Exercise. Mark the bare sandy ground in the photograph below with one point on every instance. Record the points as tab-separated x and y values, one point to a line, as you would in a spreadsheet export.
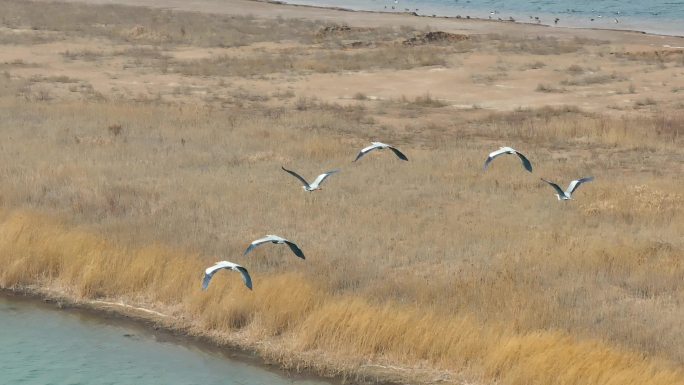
454	85
485	77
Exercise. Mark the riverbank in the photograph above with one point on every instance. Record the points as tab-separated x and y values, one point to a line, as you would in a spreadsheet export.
45	248
587	18
361	18
47	341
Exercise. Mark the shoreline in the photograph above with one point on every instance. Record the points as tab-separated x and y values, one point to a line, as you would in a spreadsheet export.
473	18
370	18
153	322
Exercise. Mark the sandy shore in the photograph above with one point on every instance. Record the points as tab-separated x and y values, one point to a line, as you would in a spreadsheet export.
381	19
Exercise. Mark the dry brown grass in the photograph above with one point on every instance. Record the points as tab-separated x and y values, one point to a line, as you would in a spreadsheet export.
429	264
538	45
40	251
147	26
323	61
593	79
559	279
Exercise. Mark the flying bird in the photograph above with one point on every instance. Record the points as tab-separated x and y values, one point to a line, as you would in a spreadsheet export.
316	185
567	194
210	271
508	150
277	240
379	146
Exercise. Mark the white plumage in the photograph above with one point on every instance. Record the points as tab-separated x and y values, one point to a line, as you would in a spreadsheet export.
508	150
567	194
210	271
277	240
380	146
316	185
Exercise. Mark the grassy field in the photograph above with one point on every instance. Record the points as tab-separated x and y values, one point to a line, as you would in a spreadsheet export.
425	271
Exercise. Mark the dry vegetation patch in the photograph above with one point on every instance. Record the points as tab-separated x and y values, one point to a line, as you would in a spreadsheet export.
539	45
324	61
152	26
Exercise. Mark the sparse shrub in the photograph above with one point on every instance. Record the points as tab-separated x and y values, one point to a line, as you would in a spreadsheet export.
594	79
533	66
645	102
575	69
427	101
543	87
115	129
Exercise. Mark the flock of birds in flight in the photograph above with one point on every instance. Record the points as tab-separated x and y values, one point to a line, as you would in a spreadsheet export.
493	13
316	185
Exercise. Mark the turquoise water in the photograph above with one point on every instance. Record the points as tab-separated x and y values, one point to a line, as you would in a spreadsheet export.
40	345
656	16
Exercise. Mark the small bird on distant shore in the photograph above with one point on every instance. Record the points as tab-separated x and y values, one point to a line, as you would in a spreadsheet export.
508	150
567	194
380	146
316	185
276	240
210	271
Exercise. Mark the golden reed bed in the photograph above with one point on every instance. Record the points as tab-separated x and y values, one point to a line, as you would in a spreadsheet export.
291	320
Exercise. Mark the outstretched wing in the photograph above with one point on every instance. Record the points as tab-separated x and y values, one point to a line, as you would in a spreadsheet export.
245	276
323	177
495	154
526	163
555	187
304	182
295	249
256	243
398	153
206	280
366	150
576	183
209	273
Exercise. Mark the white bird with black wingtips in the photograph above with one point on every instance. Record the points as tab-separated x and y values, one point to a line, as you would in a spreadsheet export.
508	150
316	185
277	240
380	146
210	271
567	194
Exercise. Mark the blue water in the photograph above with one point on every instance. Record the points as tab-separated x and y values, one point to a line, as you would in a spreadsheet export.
40	345
655	16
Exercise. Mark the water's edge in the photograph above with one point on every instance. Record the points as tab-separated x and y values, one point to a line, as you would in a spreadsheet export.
154	324
472	18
